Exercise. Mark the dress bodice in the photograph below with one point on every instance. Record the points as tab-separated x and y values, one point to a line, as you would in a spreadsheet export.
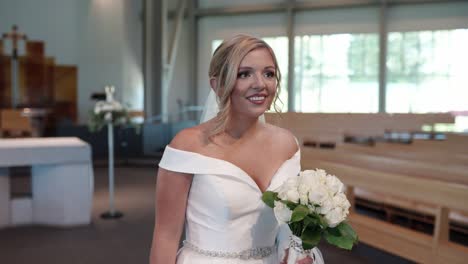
224	207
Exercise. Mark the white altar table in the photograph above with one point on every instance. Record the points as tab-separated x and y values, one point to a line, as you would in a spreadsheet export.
62	180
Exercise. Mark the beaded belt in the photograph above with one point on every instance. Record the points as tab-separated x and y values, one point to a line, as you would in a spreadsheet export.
253	253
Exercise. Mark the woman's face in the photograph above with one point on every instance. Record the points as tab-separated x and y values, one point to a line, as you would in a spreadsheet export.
255	87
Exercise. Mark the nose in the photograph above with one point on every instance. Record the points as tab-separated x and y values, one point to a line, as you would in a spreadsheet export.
260	82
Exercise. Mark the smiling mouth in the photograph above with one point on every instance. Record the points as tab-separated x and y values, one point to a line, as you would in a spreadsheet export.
257	99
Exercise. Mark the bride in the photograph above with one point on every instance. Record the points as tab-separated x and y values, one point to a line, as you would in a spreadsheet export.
212	176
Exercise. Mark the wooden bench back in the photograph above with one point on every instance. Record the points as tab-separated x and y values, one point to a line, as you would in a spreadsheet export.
409	152
455	143
410	168
404	242
332	127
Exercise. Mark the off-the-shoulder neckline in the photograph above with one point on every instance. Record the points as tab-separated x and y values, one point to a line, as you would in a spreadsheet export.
239	168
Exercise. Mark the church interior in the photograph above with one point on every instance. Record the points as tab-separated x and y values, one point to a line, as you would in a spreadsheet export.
375	91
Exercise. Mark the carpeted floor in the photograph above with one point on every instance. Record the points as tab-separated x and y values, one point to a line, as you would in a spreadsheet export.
123	241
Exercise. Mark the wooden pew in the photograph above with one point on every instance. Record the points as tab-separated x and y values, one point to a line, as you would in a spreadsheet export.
455	143
416	246
327	127
409	152
392	205
411	168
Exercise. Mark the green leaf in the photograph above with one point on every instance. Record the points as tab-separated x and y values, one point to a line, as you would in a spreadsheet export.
347	231
309	221
290	205
335	238
269	198
299	213
311	238
322	222
334	231
296	228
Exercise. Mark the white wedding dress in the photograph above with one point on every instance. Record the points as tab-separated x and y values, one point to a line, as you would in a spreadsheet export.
226	220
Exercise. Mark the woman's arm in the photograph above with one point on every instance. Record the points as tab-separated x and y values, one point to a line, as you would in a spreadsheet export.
172	190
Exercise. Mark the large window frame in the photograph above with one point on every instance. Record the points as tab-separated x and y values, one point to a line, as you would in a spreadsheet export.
390	16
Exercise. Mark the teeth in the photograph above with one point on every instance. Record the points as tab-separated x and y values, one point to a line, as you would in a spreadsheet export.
256	98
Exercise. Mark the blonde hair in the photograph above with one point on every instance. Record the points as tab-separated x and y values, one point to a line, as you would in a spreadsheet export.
224	68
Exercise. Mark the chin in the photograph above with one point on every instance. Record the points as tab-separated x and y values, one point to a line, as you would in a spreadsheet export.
258	113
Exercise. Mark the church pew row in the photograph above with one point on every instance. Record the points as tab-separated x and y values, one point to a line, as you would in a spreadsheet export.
410	244
353	157
409	152
454	144
423	208
329	126
411	168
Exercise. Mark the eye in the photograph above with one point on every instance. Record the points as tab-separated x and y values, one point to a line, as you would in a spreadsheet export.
269	74
243	74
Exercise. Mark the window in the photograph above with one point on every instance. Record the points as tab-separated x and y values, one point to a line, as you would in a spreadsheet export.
426	71
337	73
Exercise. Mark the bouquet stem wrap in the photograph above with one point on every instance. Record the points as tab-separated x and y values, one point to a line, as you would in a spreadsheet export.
297	252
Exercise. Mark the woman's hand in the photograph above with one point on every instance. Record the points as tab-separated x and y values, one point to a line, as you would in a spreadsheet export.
306	260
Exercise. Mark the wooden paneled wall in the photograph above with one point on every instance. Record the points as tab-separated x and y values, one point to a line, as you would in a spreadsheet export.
66	92
5	79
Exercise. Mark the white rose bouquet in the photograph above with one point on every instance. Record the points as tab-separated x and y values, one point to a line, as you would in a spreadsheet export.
313	205
108	111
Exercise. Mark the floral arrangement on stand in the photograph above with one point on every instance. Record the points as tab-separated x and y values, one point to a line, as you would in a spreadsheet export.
108	111
314	206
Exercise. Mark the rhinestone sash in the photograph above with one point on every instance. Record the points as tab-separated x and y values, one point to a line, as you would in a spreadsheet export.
253	253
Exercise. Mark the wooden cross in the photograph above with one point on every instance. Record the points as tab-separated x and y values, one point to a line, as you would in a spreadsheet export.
15	36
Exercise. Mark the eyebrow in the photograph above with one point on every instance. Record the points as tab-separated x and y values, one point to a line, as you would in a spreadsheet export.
250	68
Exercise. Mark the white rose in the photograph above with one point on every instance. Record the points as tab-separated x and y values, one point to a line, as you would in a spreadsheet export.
334	184
317	195
320	172
307	180
98	108
282	212
304	198
289	190
327	206
340	200
116	106
306	172
321	175
289	195
303	188
108	116
334	217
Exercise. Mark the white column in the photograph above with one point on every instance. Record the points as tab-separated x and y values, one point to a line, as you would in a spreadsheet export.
4	197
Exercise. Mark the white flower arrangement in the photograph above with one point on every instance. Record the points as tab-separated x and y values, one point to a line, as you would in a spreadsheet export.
106	112
313	205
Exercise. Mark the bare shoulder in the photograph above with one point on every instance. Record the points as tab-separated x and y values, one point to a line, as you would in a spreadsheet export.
189	139
283	139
